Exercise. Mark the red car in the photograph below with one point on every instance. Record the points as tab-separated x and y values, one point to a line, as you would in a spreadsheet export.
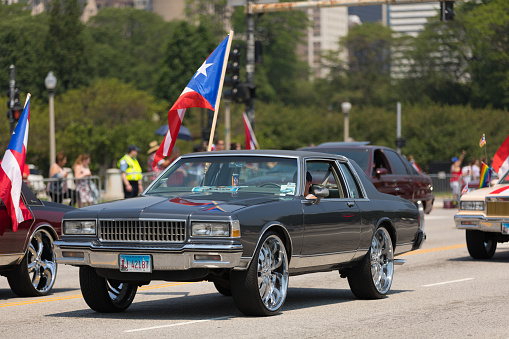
390	172
27	258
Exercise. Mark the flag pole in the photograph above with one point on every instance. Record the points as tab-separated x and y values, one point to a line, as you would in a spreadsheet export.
220	91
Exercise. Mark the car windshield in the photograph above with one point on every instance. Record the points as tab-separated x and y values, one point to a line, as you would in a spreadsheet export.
359	155
228	174
504	179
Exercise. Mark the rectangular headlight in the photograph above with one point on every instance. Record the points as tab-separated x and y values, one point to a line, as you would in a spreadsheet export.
210	229
472	205
78	227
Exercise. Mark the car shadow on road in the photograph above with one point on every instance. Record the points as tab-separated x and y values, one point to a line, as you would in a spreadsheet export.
184	307
500	256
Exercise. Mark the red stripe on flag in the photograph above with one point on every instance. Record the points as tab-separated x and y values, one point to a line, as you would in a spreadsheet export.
501	155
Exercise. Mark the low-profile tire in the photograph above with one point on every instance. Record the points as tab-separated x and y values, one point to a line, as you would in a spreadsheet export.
223	288
261	289
372	279
35	275
105	295
479	246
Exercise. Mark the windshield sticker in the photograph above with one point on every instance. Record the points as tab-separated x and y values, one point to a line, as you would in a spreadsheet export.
239	164
228	189
288	189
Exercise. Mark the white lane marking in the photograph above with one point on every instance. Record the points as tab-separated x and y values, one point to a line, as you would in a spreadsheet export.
448	282
177	324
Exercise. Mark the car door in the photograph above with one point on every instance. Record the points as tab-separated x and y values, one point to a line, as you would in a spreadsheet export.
13	242
332	226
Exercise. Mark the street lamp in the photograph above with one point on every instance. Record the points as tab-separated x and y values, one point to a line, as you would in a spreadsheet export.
51	82
346	107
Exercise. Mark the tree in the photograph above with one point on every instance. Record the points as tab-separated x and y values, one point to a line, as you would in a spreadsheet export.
67	47
128	45
185	51
21	38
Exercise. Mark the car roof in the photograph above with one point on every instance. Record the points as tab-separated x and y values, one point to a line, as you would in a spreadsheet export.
343	143
278	153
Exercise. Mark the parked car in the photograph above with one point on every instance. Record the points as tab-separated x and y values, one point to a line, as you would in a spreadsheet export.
27	257
390	172
239	219
484	215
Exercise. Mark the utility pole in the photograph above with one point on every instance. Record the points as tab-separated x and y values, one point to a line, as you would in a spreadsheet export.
250	63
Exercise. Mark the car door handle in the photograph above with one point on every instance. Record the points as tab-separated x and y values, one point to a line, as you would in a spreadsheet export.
350	204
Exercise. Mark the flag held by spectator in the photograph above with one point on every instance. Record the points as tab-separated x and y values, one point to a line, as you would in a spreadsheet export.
485	178
251	142
501	159
11	170
203	90
482	142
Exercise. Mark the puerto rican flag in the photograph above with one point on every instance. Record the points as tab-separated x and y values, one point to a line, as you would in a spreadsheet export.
11	170
251	142
203	90
501	159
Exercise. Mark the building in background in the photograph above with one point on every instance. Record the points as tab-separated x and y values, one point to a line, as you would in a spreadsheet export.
328	26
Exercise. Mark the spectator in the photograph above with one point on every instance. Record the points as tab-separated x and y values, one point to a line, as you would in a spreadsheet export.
235	146
161	165
220	145
456	175
57	188
131	172
467	173
82	175
476	170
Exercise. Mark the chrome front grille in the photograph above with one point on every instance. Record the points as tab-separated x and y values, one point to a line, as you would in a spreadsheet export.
497	208
142	230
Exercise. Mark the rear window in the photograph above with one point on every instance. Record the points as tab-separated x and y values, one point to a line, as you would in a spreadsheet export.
360	156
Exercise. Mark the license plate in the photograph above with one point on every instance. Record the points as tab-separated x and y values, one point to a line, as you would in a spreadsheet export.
135	263
505	228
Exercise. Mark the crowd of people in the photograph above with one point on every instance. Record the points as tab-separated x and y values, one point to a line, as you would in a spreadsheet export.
464	174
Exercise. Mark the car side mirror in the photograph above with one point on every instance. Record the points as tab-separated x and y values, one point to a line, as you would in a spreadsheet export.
320	193
381	171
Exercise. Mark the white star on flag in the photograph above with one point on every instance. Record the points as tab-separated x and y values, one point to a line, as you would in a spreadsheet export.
203	69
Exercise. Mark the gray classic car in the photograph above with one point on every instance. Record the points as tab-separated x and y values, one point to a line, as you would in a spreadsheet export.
244	221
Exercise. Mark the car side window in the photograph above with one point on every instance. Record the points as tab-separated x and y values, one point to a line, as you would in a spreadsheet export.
380	161
325	174
397	163
353	186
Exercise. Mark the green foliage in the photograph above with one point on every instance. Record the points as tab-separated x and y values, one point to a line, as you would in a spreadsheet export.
68	52
129	45
186	50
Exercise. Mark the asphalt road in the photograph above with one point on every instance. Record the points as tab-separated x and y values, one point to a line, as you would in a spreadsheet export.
439	292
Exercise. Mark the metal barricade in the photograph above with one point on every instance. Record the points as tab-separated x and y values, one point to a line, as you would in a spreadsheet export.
43	186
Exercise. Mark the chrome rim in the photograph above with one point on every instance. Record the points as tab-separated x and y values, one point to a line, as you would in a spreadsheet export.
272	273
488	245
42	266
382	260
117	290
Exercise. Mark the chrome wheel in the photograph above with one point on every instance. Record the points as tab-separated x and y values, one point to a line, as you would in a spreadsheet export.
36	274
372	278
382	260
272	273
261	289
105	295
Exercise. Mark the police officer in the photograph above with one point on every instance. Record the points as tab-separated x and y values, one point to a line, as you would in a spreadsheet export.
131	172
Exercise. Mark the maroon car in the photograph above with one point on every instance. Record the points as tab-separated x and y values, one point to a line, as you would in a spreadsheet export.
390	172
26	256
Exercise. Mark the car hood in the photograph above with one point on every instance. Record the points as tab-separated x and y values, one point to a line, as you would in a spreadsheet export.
480	194
150	207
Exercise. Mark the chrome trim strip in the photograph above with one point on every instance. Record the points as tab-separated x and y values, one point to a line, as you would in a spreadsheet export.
399	261
302	261
481	223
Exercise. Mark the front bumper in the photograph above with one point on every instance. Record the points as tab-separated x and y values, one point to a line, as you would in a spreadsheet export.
187	257
480	222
